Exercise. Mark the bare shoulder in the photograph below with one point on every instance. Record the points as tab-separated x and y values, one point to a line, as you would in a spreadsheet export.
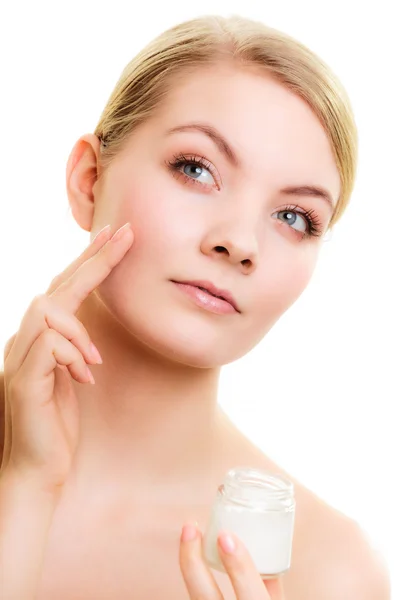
332	557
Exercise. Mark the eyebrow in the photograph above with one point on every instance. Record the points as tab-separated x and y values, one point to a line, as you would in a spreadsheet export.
226	149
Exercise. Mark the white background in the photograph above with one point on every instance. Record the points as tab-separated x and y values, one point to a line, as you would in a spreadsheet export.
320	393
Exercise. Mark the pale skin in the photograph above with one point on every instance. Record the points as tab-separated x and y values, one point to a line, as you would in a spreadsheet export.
146	447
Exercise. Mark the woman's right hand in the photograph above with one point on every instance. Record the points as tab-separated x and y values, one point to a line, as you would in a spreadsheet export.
50	347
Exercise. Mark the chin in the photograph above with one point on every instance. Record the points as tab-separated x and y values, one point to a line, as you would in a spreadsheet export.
192	346
177	335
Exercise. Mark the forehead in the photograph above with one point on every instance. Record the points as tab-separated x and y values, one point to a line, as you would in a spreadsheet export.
268	125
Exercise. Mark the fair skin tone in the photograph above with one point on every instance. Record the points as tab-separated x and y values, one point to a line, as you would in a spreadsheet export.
153	444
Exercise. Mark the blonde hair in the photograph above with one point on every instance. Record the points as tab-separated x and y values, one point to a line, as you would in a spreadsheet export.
208	40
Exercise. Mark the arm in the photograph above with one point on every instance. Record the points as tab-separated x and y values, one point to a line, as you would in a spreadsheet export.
26	513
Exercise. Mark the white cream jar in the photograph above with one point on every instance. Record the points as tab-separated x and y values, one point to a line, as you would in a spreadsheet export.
259	508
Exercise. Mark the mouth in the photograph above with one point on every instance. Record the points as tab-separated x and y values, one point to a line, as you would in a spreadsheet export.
212	290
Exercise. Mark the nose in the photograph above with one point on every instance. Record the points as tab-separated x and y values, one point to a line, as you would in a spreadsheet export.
235	242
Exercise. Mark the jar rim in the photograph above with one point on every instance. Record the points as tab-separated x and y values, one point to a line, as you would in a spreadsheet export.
274	486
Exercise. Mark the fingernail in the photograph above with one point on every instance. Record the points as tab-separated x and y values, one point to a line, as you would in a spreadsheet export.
120	232
189	533
95	354
227	543
102	233
89	374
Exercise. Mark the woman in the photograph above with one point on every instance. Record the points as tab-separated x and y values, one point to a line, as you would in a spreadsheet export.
229	149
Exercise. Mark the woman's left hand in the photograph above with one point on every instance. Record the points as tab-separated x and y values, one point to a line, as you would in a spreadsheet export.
246	580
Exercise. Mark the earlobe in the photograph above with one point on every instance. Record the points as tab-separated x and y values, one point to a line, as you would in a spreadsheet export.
81	176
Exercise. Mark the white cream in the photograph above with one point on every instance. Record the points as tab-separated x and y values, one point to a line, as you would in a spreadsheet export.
259	508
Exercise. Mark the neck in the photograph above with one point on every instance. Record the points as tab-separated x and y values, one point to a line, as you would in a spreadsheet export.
147	418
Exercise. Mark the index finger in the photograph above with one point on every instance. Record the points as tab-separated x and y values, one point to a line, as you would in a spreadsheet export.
72	292
98	241
245	579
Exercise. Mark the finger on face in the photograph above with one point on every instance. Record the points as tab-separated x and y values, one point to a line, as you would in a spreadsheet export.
69	295
93	271
98	241
245	578
197	576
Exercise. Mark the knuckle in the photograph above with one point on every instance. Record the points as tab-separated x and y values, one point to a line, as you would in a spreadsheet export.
38	303
79	334
48	338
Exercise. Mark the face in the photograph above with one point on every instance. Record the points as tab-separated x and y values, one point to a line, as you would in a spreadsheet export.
201	211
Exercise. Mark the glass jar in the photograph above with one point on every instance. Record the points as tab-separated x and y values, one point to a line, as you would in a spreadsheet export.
259	508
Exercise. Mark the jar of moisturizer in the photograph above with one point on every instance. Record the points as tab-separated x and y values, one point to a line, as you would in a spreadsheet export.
259	508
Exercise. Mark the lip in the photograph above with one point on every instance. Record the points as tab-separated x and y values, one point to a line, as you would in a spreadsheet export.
213	290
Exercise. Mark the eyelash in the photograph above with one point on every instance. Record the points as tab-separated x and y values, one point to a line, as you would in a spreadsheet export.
315	226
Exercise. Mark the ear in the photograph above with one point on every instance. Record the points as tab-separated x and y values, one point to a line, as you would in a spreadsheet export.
81	176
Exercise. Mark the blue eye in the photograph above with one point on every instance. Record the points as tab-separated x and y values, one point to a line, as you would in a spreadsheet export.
307	221
291	217
197	170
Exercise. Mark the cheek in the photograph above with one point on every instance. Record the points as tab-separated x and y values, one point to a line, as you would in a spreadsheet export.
283	283
163	225
277	288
